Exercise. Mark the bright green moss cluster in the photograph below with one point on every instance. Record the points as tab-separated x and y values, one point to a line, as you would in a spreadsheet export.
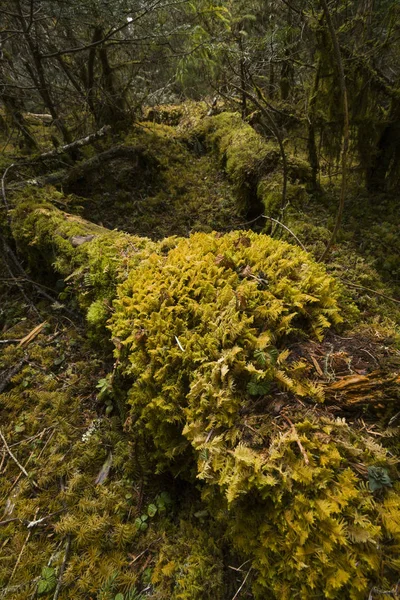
252	163
204	334
189	565
244	153
205	331
312	525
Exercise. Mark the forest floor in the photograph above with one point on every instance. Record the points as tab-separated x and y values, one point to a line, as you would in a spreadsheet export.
77	506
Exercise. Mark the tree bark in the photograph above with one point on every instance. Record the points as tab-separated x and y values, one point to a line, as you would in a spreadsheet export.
387	158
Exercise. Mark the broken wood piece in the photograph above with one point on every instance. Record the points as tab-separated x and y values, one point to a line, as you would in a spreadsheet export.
32	334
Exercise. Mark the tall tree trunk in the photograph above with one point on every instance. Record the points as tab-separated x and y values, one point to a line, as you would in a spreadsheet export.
14	107
346	125
114	106
311	133
387	157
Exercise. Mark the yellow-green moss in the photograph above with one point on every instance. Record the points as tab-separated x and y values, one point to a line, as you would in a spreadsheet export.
91	259
204	336
189	565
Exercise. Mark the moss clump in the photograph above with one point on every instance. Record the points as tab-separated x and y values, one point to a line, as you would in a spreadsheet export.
245	155
156	184
90	259
204	336
216	311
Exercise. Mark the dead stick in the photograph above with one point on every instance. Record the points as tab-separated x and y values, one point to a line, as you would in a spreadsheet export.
22	551
62	568
361	287
24	471
287	229
243	583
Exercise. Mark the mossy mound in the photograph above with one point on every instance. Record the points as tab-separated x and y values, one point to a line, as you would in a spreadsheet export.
216	311
204	335
89	260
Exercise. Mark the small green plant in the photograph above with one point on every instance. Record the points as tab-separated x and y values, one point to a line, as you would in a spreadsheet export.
141	522
378	478
105	393
160	505
47	582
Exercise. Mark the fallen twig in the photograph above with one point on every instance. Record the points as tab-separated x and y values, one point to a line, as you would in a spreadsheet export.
300	445
32	334
362	287
22	551
11	374
62	568
287	229
242	585
21	468
77	144
3	185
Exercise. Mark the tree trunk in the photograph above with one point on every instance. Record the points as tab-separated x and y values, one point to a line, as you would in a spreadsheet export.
311	133
387	157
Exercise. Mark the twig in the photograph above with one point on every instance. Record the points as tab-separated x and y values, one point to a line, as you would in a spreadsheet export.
3	185
21	468
7	521
243	583
287	229
361	287
11	374
240	567
62	568
22	551
77	144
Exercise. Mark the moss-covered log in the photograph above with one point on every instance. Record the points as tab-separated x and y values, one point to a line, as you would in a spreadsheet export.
203	330
252	163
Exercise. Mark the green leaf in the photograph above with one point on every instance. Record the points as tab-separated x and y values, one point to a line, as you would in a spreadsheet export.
119	597
151	510
42	587
258	388
260	357
48	572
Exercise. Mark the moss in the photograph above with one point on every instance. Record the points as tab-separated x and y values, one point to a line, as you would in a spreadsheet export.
204	336
230	301
189	565
164	187
90	259
252	163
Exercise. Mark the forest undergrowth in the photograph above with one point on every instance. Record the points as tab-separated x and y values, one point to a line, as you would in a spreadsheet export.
191	406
